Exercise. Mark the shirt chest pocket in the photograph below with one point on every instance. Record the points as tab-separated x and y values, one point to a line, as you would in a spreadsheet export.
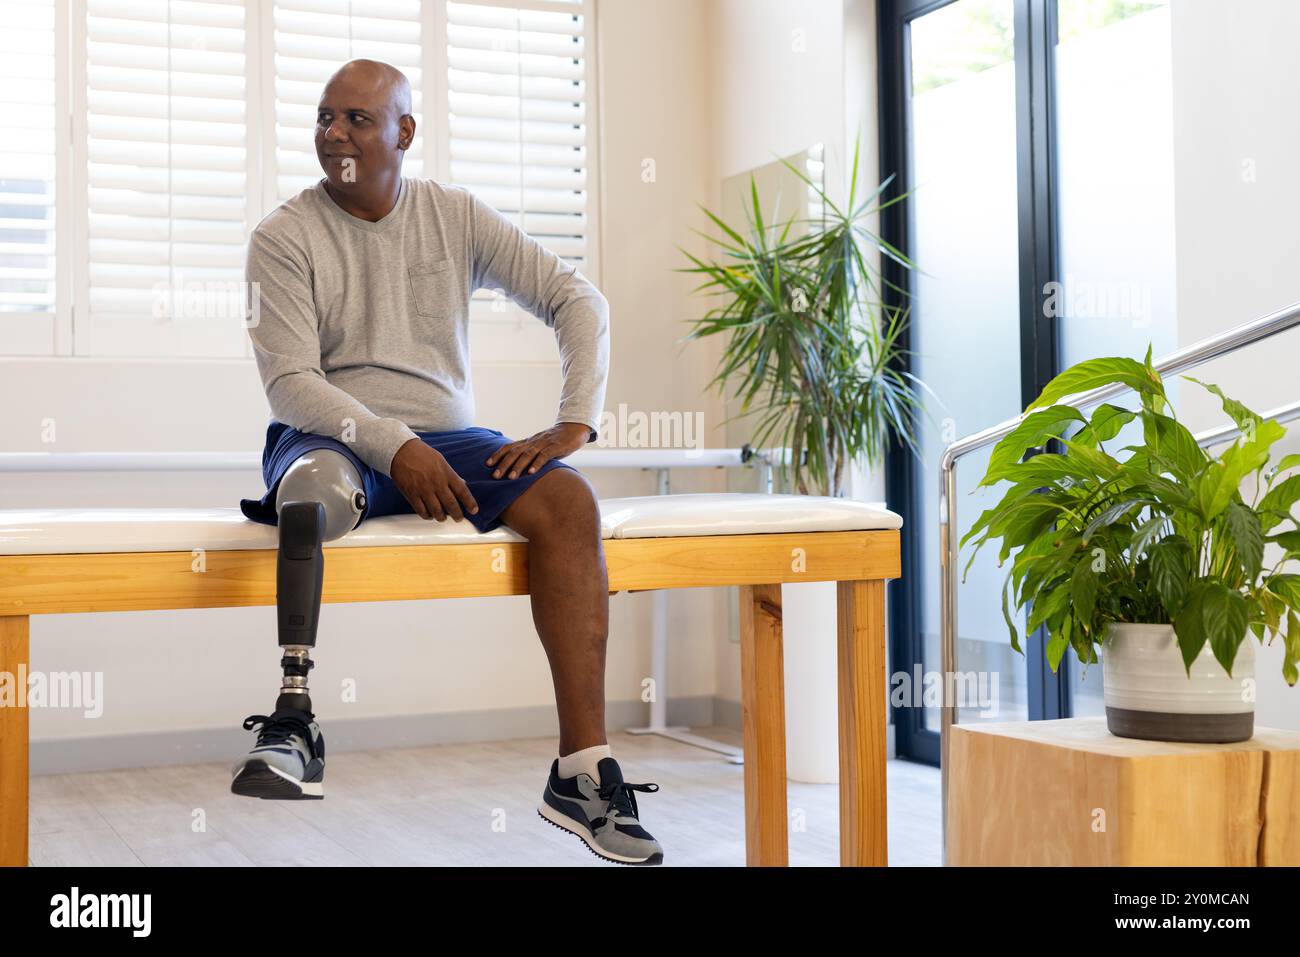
434	288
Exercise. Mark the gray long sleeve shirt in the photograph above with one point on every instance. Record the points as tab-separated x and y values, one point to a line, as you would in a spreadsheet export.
361	329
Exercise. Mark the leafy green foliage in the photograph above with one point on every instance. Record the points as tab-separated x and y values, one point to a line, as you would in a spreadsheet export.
810	350
1161	535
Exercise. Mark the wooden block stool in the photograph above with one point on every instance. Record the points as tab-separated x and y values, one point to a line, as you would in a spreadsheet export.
1070	793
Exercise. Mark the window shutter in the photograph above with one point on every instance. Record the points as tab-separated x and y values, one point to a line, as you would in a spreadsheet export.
518	124
191	119
166	177
28	125
313	38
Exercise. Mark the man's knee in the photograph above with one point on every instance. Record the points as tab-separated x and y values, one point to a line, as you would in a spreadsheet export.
561	502
329	477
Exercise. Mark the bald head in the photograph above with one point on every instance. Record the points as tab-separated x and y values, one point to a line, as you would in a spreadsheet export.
381	81
364	127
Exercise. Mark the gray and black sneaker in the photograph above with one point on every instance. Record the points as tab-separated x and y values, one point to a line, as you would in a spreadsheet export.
604	815
288	762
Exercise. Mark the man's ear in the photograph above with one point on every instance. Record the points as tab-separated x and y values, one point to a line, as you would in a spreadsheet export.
405	132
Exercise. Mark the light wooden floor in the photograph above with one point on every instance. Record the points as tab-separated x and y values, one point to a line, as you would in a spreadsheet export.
464	804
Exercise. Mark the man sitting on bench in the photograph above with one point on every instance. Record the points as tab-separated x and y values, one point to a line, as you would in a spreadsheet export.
359	314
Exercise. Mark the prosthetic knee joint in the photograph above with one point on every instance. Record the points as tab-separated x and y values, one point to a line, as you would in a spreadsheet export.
320	498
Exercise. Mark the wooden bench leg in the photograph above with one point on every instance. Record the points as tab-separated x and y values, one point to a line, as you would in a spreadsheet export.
13	741
863	833
762	682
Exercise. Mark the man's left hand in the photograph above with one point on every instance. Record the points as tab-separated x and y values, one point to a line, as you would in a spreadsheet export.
530	454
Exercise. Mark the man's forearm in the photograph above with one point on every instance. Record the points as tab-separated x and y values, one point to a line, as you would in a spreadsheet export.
537	279
582	333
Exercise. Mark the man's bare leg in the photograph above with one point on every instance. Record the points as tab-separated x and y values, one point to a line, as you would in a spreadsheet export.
560	518
569	589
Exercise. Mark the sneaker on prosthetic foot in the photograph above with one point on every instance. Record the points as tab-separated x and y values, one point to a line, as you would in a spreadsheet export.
288	761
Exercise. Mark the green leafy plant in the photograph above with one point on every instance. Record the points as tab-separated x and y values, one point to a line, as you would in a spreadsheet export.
1162	535
811	352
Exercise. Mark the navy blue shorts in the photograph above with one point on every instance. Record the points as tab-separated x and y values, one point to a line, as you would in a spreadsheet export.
466	451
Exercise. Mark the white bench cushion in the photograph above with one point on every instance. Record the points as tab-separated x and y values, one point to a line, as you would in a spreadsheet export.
739	513
48	531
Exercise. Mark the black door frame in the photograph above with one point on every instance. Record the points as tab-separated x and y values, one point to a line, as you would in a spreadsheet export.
1036	174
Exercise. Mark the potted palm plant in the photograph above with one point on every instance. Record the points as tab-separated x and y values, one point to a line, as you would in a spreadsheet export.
1156	557
811	352
813	363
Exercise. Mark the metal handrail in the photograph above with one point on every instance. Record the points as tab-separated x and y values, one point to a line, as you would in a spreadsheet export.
1180	361
650	458
1231	432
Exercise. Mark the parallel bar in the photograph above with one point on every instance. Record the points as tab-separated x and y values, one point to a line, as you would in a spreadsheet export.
252	461
130	461
1230	432
659	639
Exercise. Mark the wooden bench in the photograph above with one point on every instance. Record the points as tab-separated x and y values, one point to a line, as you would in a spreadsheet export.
64	561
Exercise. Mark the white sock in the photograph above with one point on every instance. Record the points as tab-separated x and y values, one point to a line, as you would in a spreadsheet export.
584	761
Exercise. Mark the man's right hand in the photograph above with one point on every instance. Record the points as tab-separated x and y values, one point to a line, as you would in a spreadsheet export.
429	483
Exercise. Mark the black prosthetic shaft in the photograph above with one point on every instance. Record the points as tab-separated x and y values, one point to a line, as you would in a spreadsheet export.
299	571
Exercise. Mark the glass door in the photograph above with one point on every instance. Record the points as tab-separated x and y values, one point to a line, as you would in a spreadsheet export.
1034	140
1115	200
966	325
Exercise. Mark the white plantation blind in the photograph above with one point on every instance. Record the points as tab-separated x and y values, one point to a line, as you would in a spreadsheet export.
517	116
166	175
27	160
144	139
313	38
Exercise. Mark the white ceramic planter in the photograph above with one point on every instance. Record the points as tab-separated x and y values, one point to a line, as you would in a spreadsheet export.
1150	695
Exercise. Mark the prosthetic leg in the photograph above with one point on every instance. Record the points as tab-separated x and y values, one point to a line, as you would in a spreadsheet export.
320	498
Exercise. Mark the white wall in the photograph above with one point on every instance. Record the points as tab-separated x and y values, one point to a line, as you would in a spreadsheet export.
776	76
1236	85
657	165
176	671
777	72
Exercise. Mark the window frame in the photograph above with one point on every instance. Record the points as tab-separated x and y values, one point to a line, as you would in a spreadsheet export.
1039	359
